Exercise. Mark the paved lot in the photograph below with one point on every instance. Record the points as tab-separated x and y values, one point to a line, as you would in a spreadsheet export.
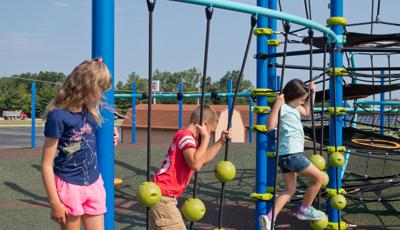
19	137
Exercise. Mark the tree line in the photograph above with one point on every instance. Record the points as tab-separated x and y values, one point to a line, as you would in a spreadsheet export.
16	89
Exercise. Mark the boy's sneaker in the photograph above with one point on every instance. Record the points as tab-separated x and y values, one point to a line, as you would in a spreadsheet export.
311	214
265	222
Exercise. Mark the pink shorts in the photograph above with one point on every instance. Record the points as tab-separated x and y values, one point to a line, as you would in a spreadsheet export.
82	199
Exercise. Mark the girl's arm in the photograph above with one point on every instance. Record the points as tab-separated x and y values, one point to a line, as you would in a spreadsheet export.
272	121
59	211
305	110
214	149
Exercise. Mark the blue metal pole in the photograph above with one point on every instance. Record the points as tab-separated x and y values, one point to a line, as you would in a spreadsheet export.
229	97
382	107
180	123
250	120
33	115
335	180
133	115
272	83
103	46
261	140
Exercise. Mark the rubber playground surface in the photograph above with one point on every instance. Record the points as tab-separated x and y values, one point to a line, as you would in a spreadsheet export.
23	201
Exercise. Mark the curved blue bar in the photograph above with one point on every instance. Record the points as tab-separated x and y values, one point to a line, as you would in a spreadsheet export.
260	11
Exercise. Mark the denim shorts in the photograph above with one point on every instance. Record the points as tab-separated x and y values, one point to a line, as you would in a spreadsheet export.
295	162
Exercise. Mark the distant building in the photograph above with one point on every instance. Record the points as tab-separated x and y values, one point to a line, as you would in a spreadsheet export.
165	117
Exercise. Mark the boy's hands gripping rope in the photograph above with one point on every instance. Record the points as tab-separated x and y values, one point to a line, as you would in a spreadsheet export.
203	131
226	135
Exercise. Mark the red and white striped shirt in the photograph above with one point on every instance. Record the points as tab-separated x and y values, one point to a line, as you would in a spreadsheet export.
174	175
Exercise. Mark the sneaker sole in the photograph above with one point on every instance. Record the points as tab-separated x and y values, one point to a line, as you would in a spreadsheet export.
301	217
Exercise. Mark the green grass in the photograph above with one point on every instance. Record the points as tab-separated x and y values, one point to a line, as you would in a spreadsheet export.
21	122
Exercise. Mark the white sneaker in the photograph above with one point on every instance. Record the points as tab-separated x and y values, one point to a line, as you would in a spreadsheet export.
265	222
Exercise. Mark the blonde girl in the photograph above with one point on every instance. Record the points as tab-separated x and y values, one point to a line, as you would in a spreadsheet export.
69	162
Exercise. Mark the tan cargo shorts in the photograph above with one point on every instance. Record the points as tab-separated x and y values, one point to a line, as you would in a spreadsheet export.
166	216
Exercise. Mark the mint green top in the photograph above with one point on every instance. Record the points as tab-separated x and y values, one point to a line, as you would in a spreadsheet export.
291	134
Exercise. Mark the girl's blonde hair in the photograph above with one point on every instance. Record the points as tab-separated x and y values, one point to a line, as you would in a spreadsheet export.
81	88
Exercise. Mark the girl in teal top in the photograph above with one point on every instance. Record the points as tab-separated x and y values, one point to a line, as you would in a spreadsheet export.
293	103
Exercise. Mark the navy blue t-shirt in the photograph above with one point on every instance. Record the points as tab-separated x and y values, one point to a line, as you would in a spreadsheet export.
76	161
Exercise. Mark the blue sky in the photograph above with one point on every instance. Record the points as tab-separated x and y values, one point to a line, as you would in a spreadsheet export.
55	35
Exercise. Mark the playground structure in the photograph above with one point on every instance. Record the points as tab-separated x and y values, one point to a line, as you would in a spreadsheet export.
103	27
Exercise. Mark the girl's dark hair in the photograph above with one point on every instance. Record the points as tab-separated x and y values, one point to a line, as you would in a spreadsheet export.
294	89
